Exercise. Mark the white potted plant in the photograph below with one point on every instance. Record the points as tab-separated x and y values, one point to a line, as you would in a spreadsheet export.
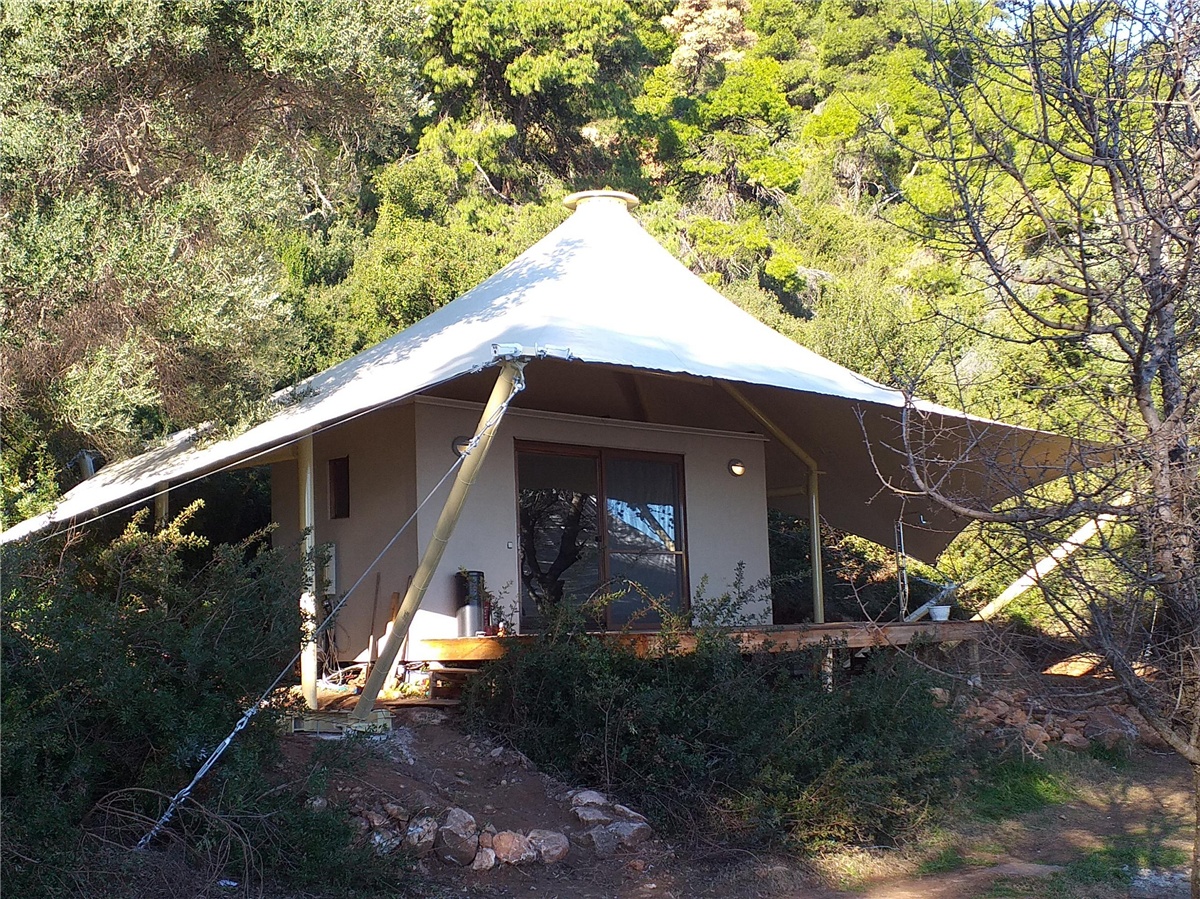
939	613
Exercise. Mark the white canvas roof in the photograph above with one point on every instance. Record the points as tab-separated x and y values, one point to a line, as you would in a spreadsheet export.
600	290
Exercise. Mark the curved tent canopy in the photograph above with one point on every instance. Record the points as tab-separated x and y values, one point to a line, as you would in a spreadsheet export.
604	310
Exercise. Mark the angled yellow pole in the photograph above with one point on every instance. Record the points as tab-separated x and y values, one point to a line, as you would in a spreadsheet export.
308	599
162	505
506	384
1034	575
814	498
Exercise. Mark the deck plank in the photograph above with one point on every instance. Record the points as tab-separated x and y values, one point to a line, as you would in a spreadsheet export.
776	638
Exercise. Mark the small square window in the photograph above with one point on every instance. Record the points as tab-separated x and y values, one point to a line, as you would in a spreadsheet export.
339	487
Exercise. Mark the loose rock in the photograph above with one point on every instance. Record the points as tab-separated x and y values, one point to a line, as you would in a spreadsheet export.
1109	729
1035	735
421	835
588	797
1074	740
598	840
591	815
512	848
485	860
457	842
386	841
629	814
550	845
630	834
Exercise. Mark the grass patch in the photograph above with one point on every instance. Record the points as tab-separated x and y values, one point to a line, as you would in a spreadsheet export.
1108	870
1015	786
949	859
1117	862
1017	887
1116	758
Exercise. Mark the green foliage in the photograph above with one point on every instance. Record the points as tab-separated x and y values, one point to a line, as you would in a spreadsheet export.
434	240
123	665
740	745
1017	785
1117	862
860	577
949	859
517	81
156	149
27	483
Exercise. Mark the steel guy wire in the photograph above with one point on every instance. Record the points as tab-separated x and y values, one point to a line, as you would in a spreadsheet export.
264	700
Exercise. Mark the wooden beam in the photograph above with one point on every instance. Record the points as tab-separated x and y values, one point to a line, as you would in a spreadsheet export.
1034	575
162	505
782	638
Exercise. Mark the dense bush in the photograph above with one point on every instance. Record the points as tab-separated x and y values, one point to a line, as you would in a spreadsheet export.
123	665
752	748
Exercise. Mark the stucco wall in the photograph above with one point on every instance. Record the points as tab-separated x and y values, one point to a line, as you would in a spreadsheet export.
391	470
383	493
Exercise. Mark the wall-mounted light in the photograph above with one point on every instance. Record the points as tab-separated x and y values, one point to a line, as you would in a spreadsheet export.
737	467
460	444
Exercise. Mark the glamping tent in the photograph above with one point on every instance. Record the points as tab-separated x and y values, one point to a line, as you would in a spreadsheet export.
656	425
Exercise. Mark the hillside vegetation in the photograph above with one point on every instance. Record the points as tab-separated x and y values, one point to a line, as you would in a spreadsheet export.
990	205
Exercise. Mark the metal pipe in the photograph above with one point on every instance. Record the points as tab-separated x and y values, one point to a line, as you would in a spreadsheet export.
507	383
308	599
814	501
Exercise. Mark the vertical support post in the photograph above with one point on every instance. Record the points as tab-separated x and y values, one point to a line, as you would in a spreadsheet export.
814	530
814	501
506	383
162	505
308	599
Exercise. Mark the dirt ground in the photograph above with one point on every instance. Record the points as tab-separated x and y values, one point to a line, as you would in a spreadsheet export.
428	762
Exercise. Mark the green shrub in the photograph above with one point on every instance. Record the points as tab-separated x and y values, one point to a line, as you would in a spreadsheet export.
123	665
739	744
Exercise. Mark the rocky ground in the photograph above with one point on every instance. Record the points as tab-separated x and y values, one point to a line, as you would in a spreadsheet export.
1072	719
482	821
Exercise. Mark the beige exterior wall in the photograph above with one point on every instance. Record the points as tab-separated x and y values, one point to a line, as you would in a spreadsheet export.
390	470
381	450
726	516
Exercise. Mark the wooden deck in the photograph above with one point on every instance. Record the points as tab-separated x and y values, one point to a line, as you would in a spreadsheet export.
776	638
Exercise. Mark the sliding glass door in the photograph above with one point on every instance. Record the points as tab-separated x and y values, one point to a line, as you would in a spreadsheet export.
600	522
558	504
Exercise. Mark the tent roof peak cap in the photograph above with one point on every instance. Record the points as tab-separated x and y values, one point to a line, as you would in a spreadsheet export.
573	201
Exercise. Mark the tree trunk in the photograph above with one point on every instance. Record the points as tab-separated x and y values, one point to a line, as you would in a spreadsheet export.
1196	832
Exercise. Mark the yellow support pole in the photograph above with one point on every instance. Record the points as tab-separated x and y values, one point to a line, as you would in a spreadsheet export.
308	599
814	501
510	376
1034	575
162	505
